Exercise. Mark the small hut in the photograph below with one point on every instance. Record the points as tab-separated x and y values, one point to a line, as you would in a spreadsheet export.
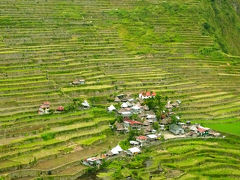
85	104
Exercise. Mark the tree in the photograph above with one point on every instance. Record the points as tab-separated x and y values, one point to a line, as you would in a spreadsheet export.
155	126
132	133
174	119
156	104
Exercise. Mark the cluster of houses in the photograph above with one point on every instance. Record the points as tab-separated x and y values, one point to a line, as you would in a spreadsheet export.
136	115
78	82
94	161
145	117
118	151
197	130
44	108
143	121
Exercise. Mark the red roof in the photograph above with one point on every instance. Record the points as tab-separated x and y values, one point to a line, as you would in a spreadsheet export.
201	130
60	108
46	103
148	93
43	106
142	137
132	122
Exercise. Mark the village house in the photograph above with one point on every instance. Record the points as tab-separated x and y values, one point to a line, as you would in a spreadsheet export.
131	100
145	108
93	161
162	127
169	106
212	133
124	105
129	104
175	104
131	123
125	112
78	82
142	139
175	129
116	150
146	95
199	130
136	109
202	131
142	115
181	124
152	137
117	100
119	127
122	97
60	108
151	118
133	151
135	143
111	108
44	108
85	104
166	121
193	128
146	123
148	129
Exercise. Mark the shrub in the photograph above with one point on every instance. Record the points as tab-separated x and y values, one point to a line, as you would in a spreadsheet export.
207	50
206	26
155	125
125	144
48	136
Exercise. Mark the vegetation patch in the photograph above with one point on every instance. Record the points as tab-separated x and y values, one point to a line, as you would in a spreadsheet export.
231	127
48	136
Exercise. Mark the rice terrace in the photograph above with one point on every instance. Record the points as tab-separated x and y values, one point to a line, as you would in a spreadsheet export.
119	89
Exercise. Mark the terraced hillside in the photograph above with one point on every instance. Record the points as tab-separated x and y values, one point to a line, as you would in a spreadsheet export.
181	159
116	46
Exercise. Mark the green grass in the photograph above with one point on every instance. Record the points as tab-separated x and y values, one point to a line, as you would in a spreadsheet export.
231	128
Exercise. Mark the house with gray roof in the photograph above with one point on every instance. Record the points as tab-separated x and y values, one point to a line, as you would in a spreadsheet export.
175	129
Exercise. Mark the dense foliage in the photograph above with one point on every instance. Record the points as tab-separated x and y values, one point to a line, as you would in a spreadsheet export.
222	21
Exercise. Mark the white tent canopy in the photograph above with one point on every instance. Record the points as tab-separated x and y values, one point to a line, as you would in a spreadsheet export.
136	107
111	108
116	150
134	143
85	104
134	150
124	105
152	136
150	116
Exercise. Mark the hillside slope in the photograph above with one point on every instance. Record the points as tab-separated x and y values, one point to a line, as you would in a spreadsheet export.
116	46
223	22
